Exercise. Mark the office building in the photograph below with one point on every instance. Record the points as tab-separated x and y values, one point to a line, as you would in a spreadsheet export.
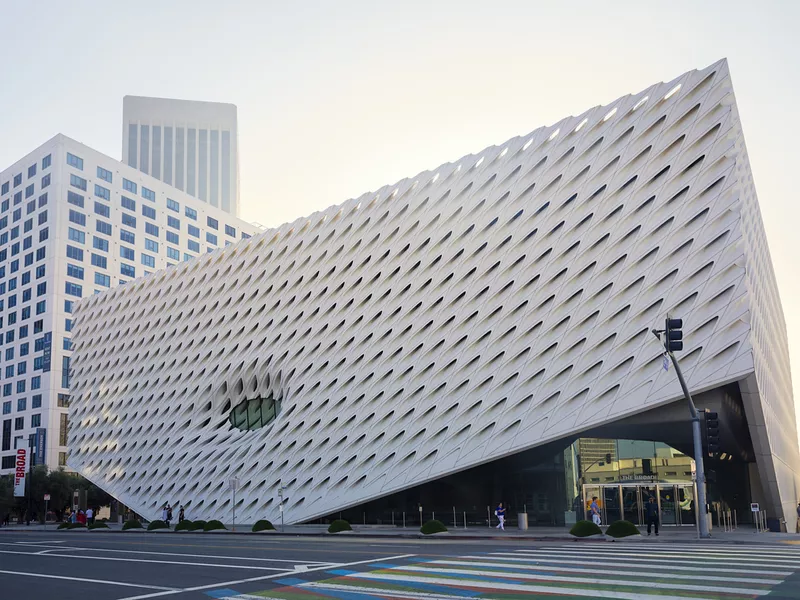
74	222
190	145
447	341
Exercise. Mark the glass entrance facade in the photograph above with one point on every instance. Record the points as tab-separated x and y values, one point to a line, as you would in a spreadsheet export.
627	502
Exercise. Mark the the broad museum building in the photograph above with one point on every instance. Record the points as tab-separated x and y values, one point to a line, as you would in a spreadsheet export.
474	334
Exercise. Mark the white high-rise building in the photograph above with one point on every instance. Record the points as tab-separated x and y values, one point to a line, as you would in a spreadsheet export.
187	144
75	222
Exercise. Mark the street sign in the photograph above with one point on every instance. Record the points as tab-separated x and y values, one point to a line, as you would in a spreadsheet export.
665	363
233	483
754	507
46	497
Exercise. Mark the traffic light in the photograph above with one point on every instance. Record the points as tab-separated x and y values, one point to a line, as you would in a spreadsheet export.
712	433
608	459
673	340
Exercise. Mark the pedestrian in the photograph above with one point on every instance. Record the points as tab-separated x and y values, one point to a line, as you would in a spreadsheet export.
73	516
90	515
798	517
165	514
181	515
169	514
500	513
594	507
651	514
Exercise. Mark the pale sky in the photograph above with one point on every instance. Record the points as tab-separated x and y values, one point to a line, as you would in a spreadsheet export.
339	98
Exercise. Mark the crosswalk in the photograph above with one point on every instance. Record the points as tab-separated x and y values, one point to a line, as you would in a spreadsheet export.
625	571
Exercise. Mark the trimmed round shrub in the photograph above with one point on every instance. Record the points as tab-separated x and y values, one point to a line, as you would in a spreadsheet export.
98	525
64	526
132	524
157	524
198	525
339	525
76	526
433	526
184	525
213	525
584	529
263	525
621	529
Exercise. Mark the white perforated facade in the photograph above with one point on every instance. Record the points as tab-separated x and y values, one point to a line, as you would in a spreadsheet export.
468	313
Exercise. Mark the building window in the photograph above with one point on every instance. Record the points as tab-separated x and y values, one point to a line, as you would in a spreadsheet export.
231	231
36	382
62	401
173	237
43	235
29	191
62	456
100	279
36	420
32	171
41	289
74	271
128	220
151	245
74	253
148	261
76	235
211	238
62	433
127	270
21	384
104	174
77	217
75	199
67	324
4	189
78	182
42	218
66	343
102	192
99	261
41	307
72	289
42	200
74	161
127	253
21	404
149	212
213	223
45	181
102	210
129	185
7	407
194	231
148	194
36	401
19	423
127	236
68	304
46	161
151	229
128	203
103	227
100	243
191	213
193	246
173	253
41	253
173	205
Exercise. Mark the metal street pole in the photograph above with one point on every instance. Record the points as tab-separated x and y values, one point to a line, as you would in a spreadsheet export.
30	479
698	448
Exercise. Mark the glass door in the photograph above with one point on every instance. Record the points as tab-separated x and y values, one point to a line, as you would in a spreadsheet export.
611	506
686	505
666	496
589	492
632	504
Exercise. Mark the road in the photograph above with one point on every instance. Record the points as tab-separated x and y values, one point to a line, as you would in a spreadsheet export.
139	566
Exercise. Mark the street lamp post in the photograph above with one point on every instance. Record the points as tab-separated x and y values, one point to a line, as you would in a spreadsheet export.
282	500
233	485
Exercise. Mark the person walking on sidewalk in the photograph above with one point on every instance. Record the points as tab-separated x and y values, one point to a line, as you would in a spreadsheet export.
651	514
594	508
798	517
500	513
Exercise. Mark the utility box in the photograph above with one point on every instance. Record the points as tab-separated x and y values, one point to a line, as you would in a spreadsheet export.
522	521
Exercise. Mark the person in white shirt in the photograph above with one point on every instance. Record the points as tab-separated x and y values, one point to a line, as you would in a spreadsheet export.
89	516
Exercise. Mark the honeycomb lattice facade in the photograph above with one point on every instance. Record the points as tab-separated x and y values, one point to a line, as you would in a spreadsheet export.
465	314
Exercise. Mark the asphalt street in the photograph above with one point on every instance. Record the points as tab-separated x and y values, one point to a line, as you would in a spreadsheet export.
138	566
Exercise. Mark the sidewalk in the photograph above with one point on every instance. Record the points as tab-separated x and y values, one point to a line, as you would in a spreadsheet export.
744	535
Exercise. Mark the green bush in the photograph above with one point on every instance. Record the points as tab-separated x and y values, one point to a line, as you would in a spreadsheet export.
132	524
197	525
157	524
64	525
339	525
98	525
213	525
263	525
433	526
76	526
621	529
184	525
584	529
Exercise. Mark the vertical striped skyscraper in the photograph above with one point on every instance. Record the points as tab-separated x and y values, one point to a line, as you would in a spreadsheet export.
189	145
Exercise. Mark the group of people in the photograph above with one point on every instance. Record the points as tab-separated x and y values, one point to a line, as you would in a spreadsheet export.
651	514
80	516
166	514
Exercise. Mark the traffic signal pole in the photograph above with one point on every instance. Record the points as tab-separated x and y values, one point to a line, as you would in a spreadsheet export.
696	436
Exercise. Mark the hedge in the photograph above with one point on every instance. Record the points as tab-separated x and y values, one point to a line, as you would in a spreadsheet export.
339	525
132	524
64	526
433	526
157	524
197	525
621	529
98	525
263	525
185	525
213	525
585	529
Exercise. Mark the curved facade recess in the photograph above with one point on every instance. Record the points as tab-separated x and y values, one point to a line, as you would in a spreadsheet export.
469	313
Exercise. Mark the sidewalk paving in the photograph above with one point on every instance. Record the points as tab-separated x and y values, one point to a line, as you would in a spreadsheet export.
744	535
